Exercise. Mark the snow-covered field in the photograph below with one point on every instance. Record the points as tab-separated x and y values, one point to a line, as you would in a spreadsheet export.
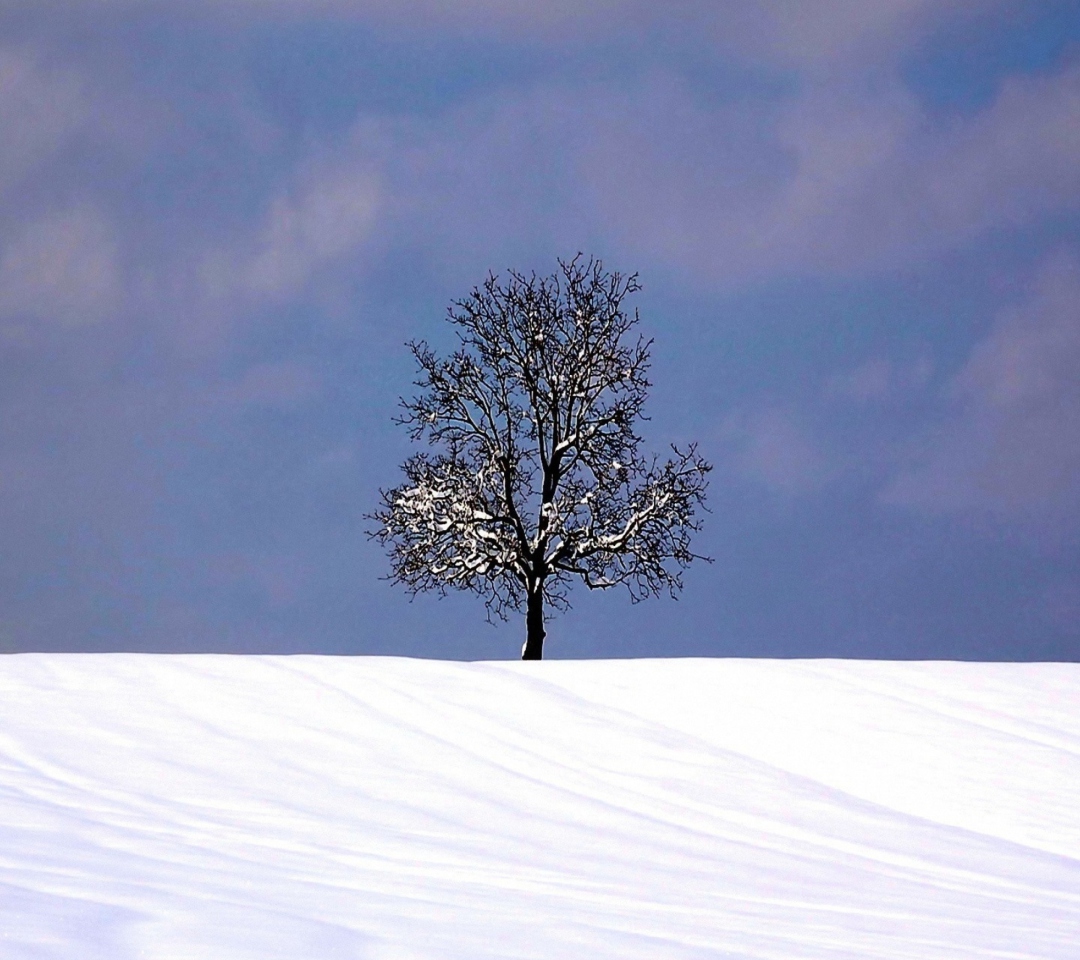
309	808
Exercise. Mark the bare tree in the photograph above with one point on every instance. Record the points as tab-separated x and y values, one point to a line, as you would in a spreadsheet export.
536	479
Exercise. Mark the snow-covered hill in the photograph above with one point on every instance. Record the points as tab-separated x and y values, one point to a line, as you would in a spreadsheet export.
307	808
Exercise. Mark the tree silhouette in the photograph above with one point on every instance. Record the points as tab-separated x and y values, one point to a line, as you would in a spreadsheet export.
536	479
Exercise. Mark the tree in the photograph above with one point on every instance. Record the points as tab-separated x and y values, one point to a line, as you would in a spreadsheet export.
536	479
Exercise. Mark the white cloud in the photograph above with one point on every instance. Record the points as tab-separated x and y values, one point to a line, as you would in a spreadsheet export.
1011	444
825	31
325	217
829	181
63	267
773	448
879	183
41	107
306	238
880	380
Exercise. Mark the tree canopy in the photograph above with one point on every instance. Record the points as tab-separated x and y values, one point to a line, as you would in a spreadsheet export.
535	478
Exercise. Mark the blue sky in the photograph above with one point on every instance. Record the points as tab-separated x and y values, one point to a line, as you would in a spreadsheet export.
857	227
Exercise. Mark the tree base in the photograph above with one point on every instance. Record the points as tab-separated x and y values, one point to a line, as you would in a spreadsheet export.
533	650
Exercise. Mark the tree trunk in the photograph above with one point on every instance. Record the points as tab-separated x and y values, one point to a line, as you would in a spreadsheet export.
534	626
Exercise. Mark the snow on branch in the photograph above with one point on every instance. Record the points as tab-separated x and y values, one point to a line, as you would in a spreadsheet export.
446	528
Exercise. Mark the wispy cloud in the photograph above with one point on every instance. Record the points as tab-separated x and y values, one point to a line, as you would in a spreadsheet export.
62	268
1010	444
773	447
834	183
825	32
325	216
880	380
205	289
41	107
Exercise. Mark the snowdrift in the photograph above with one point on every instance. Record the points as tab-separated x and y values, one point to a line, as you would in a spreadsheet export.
310	808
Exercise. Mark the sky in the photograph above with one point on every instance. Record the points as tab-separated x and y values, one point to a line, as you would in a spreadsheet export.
856	226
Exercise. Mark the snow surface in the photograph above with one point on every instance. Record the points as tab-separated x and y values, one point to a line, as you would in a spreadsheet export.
256	808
